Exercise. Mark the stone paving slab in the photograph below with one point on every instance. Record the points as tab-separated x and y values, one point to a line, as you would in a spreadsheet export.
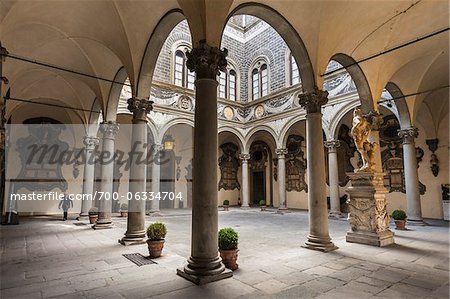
47	258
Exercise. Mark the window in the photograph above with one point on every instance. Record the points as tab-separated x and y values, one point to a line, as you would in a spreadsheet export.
232	89
182	76
294	73
223	85
260	81
228	85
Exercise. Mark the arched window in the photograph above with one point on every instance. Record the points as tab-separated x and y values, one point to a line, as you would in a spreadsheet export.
293	70
223	85
232	85
260	81
228	85
182	76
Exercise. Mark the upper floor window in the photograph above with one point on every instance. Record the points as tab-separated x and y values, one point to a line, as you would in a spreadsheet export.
293	70
228	85
260	81
182	76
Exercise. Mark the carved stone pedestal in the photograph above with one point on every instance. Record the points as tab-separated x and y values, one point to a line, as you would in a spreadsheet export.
368	218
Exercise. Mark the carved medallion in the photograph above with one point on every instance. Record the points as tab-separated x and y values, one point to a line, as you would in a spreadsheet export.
228	112
259	111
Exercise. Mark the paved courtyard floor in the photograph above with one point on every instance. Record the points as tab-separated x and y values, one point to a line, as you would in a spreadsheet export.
44	257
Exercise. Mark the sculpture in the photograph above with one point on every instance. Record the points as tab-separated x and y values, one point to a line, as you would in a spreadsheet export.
360	133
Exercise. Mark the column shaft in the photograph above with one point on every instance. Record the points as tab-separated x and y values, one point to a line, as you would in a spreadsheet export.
204	265
156	178
109	130
90	143
414	209
245	180
333	172
281	178
318	238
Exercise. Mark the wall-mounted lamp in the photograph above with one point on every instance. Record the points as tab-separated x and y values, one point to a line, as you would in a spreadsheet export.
169	143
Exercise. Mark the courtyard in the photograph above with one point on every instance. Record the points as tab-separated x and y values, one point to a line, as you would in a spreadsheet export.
45	257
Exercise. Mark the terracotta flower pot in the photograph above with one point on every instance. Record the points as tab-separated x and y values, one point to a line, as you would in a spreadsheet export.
229	258
93	219
155	247
263	208
400	224
124	214
225	207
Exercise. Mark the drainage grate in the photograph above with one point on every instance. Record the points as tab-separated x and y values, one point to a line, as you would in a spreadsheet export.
139	259
80	223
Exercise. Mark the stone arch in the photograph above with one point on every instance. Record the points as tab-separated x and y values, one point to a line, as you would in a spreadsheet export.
400	103
358	76
287	32
238	137
252	134
154	45
171	123
114	95
334	124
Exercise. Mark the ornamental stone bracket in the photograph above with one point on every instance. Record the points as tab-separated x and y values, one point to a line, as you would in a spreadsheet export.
368	217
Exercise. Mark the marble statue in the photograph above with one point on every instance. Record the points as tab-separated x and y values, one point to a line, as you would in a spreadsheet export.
360	133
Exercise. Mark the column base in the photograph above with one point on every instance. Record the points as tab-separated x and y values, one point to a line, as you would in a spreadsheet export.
415	222
201	271
319	243
103	225
335	214
154	213
86	214
247	207
131	241
368	238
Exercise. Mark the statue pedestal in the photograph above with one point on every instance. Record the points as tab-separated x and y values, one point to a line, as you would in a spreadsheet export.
367	215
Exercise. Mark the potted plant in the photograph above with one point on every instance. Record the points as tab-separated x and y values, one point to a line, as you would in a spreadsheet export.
399	219
124	210
226	204
156	232
93	215
228	247
262	204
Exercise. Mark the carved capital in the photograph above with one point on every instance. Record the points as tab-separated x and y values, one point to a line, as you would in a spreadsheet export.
408	134
140	108
90	142
156	148
375	119
313	101
332	145
244	157
109	129
206	61
281	152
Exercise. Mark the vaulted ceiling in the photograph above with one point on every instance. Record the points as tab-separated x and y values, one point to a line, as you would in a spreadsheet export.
102	37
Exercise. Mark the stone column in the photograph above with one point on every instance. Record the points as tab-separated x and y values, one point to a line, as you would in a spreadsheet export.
109	130
156	178
414	209
319	237
90	143
204	265
281	152
135	233
333	173
245	180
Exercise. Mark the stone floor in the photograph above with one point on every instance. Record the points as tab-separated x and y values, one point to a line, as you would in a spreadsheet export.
44	257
